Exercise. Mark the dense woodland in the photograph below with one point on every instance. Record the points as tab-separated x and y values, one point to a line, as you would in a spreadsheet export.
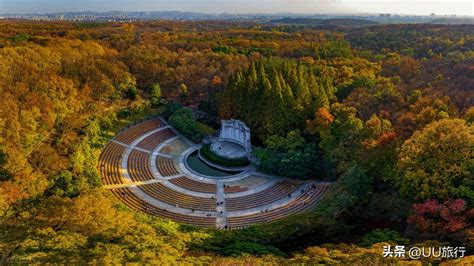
384	111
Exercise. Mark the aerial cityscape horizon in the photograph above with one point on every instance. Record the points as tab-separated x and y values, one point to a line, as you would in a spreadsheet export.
337	7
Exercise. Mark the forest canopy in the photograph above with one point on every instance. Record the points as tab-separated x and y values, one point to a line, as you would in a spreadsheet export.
385	112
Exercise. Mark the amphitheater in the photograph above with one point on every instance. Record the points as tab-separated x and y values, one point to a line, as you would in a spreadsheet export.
145	167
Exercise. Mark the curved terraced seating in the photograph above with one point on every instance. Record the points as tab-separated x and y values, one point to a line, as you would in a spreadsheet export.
234	189
132	201
129	135
180	200
166	149
274	193
244	184
175	147
190	184
110	161
155	139
178	195
139	167
302	203
166	166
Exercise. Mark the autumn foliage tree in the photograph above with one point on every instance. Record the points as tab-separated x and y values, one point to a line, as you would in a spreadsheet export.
374	109
436	162
284	94
449	218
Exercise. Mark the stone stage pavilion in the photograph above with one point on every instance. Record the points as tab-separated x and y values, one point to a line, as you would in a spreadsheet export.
233	141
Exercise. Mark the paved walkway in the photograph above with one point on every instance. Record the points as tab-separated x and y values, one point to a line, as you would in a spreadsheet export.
152	159
221	220
132	184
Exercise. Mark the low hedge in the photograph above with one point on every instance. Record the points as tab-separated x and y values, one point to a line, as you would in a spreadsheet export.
208	154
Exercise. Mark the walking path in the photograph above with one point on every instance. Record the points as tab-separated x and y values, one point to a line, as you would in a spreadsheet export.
132	184
155	153
221	220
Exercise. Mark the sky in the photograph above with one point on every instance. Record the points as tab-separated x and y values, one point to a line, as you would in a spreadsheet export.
410	7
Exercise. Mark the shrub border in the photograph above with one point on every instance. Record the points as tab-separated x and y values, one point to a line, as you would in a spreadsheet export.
208	154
